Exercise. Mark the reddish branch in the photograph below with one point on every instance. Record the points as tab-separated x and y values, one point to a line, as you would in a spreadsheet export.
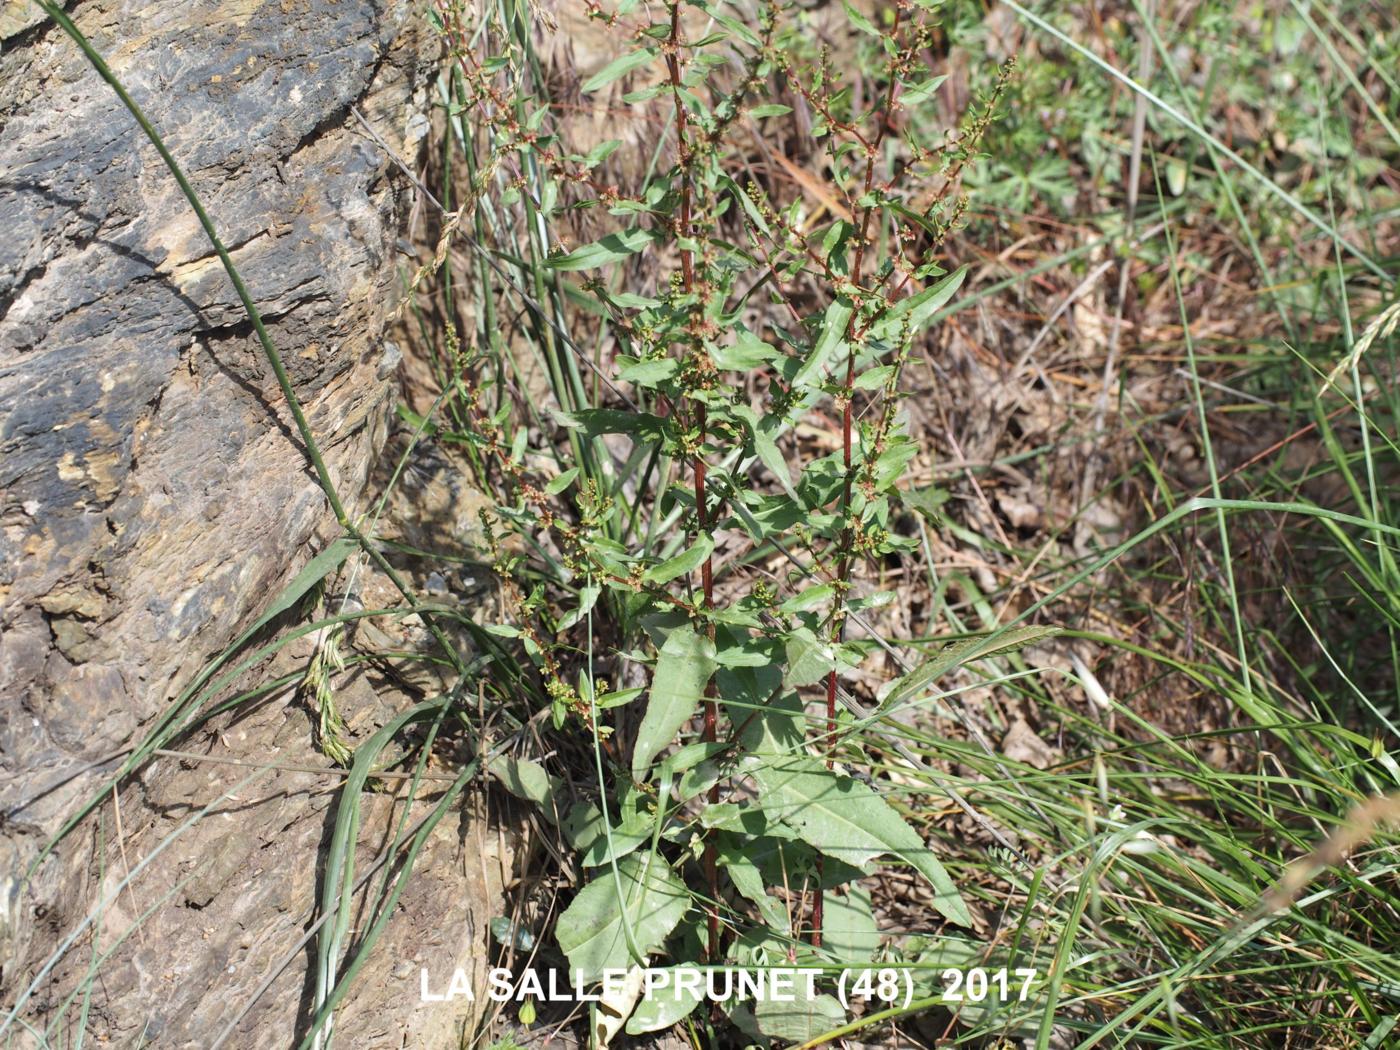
711	716
845	555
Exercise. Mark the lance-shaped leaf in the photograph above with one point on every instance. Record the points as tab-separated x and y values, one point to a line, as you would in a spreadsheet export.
860	21
618	67
748	351
957	654
316	570
686	661
595	421
809	659
764	433
748	880
528	780
660	1010
849	930
835	814
921	92
800	1020
686	561
592	931
833	332
918	308
612	248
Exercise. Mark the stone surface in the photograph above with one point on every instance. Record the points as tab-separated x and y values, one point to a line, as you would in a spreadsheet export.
153	494
231	898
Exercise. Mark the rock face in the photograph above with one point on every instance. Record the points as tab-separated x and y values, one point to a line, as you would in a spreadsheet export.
153	493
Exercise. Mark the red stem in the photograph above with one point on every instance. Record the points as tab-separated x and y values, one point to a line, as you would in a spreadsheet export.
843	572
710	730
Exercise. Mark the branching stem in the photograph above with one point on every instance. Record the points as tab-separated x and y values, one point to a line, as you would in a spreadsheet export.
687	252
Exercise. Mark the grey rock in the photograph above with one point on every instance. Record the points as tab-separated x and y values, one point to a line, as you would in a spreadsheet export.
153	494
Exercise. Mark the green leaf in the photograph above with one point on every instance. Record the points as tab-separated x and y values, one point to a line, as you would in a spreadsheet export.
878	600
560	482
666	1005
772	457
618	697
612	248
833	332
692	755
734	25
597	421
618	67
839	816
748	880
647	373
917	93
686	561
765	446
527	780
725	815
836	238
771	110
591	930
800	1021
874	378
632	820
809	659
587	598
316	570
748	351
582	825
750	652
849	930
774	515
422	424
926	500
696	781
601	152
631	301
957	654
646	94
750	209
924	223
809	598
859	20
890	464
920	307
684	666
